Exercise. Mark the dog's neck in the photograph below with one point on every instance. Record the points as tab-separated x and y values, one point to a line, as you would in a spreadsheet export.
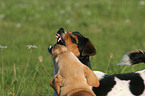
85	60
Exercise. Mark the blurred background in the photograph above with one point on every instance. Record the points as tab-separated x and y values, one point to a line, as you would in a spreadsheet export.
114	27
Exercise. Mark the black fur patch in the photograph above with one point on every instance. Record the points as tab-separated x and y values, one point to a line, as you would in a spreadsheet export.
81	44
106	84
136	84
137	57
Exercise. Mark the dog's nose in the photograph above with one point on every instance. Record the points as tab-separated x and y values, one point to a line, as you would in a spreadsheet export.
61	30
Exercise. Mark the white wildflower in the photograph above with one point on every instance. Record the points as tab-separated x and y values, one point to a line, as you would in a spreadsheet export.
3	47
31	46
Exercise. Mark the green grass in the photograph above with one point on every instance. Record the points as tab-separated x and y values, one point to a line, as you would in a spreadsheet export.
113	26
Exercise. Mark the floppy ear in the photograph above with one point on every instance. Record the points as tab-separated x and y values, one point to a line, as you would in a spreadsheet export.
88	49
92	79
56	83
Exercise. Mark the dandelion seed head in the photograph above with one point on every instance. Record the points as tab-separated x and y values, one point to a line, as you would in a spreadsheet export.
111	55
40	59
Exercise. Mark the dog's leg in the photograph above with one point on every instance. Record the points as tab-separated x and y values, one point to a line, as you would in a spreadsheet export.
56	82
54	93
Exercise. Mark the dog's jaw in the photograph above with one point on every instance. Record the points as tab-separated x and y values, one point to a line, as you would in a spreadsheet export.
60	35
50	49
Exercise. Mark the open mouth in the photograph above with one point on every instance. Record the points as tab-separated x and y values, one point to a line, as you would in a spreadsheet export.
59	39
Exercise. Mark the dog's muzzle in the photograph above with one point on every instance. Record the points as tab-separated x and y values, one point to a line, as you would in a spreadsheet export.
59	35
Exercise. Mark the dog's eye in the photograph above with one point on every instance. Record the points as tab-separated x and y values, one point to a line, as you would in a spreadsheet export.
73	40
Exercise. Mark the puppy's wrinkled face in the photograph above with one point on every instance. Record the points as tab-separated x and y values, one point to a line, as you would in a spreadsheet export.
76	43
56	50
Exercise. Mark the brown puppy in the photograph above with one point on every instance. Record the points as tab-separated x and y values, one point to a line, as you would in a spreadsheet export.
73	77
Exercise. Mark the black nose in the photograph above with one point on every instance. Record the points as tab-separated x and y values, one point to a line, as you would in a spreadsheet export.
61	30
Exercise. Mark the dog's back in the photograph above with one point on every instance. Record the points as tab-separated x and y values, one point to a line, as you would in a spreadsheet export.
82	93
72	70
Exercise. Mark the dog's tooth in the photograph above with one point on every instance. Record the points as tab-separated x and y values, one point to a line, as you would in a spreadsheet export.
59	39
56	35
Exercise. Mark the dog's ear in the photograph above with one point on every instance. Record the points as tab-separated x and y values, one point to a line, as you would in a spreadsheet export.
89	49
92	79
56	83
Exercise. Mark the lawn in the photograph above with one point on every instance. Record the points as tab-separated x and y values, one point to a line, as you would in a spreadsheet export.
114	27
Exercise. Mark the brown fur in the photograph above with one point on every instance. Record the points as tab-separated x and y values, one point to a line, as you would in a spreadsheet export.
81	93
71	46
72	76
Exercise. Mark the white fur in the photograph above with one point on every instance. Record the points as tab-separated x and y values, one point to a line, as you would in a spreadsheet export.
142	74
125	60
121	88
99	74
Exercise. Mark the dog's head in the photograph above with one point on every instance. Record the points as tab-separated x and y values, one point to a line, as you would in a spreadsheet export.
56	50
76	43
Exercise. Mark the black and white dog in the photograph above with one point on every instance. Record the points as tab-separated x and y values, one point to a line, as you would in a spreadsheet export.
127	84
